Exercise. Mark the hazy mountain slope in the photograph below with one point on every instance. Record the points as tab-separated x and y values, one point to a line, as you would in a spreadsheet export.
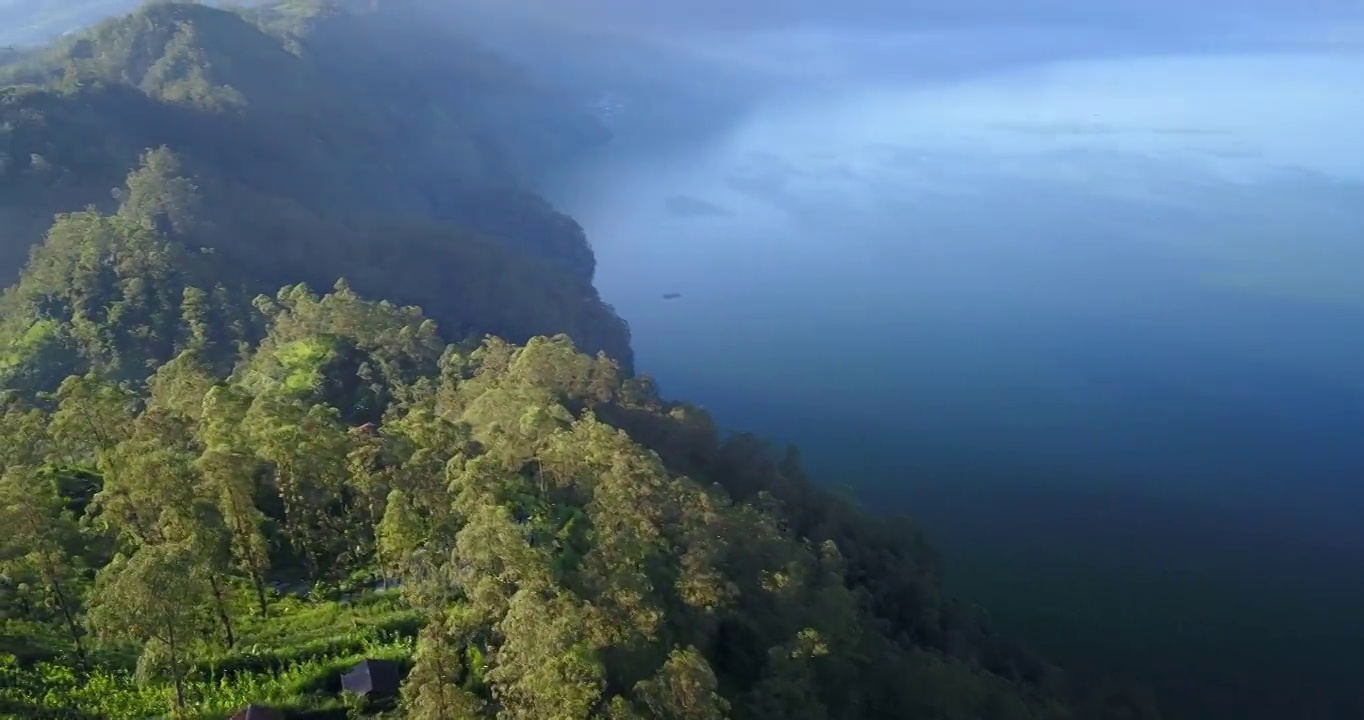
319	151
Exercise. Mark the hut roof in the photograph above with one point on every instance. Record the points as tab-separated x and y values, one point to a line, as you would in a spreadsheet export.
258	712
380	678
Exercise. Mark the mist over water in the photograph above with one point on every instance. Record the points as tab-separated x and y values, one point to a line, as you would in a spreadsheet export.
1097	324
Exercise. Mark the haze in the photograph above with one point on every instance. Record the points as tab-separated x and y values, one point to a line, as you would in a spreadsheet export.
1080	288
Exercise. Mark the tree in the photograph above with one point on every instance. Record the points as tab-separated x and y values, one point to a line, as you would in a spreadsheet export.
152	495
201	530
154	598
41	540
788	687
27	442
92	417
369	471
180	385
149	481
437	687
305	448
227	477
228	473
158	196
399	539
546	667
684	689
493	555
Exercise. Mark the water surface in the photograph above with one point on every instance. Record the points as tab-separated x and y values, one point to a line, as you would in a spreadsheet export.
1102	334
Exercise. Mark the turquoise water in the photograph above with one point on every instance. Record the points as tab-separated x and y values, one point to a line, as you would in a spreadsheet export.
1112	365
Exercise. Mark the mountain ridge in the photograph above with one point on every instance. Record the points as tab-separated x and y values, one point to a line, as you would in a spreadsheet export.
291	162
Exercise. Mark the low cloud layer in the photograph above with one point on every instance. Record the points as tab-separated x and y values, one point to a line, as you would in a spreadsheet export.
895	40
1129	15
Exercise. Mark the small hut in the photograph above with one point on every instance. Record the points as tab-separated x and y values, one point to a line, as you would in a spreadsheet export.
373	678
258	712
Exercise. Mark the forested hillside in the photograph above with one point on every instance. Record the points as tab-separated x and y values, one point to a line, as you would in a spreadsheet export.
216	492
331	144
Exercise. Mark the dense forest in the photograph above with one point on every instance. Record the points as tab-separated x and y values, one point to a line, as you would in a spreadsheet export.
215	492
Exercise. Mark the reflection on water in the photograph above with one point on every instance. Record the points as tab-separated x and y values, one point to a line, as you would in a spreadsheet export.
963	300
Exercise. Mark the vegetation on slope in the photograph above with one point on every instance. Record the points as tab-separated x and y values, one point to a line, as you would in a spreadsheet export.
331	145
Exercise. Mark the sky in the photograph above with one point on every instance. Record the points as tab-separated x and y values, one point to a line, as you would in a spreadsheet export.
1113	25
767	46
24	22
765	14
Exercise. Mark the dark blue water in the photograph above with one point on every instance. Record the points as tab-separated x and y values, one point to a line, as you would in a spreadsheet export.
1117	378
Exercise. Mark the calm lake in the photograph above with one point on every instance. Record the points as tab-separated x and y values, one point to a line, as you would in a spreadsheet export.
1103	337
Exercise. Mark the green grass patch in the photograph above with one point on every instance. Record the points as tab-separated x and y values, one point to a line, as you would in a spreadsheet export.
292	660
